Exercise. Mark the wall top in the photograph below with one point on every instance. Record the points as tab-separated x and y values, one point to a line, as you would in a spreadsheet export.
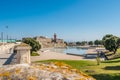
22	46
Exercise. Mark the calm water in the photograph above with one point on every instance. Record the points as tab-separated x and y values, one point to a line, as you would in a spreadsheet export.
73	50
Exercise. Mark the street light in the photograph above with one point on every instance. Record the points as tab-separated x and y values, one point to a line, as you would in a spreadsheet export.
7	33
2	37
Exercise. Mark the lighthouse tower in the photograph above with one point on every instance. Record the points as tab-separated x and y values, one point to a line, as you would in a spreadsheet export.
55	37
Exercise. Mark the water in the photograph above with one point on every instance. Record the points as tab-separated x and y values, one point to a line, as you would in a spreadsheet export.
72	50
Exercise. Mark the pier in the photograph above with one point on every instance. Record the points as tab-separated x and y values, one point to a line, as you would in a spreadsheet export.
93	52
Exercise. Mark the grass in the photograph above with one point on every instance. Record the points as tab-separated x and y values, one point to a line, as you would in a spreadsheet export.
107	70
118	50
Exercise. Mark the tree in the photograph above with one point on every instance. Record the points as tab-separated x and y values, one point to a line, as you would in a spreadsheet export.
65	43
33	43
100	42
90	42
83	43
111	42
78	43
96	42
107	36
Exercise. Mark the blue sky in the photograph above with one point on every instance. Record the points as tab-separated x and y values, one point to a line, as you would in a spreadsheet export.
71	20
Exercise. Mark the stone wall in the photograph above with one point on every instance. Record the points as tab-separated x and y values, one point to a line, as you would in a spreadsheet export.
7	48
48	42
23	53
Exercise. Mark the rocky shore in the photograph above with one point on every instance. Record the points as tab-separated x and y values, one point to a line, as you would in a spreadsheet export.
41	71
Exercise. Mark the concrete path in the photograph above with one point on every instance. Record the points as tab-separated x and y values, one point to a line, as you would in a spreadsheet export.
3	58
6	59
6	54
47	55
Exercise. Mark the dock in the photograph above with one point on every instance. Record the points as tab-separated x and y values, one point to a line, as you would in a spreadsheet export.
75	54
93	52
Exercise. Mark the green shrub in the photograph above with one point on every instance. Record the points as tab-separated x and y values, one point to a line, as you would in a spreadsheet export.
34	54
33	43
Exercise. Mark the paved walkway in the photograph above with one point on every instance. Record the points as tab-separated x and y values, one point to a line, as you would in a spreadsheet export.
6	55
54	55
3	58
6	59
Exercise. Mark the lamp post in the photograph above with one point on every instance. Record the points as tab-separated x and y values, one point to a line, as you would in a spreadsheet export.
2	37
7	34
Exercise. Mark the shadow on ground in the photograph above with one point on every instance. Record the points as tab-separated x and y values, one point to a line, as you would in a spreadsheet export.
111	61
107	76
9	60
112	68
89	58
3	58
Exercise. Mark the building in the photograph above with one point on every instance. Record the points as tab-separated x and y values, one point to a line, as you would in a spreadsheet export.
8	41
50	42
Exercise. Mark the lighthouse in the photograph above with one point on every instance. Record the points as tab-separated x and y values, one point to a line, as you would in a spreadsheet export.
55	37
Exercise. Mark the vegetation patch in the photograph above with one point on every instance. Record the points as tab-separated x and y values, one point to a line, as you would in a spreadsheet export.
107	70
33	43
35	54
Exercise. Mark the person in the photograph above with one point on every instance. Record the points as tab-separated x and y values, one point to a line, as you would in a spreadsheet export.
102	54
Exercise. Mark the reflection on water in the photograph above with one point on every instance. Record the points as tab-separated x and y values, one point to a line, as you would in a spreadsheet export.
73	50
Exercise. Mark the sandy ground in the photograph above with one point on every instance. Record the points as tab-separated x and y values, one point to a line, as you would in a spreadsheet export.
54	55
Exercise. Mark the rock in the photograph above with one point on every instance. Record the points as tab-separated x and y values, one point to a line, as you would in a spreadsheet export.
90	71
50	71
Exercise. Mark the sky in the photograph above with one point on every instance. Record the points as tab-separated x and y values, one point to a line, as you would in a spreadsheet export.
71	20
